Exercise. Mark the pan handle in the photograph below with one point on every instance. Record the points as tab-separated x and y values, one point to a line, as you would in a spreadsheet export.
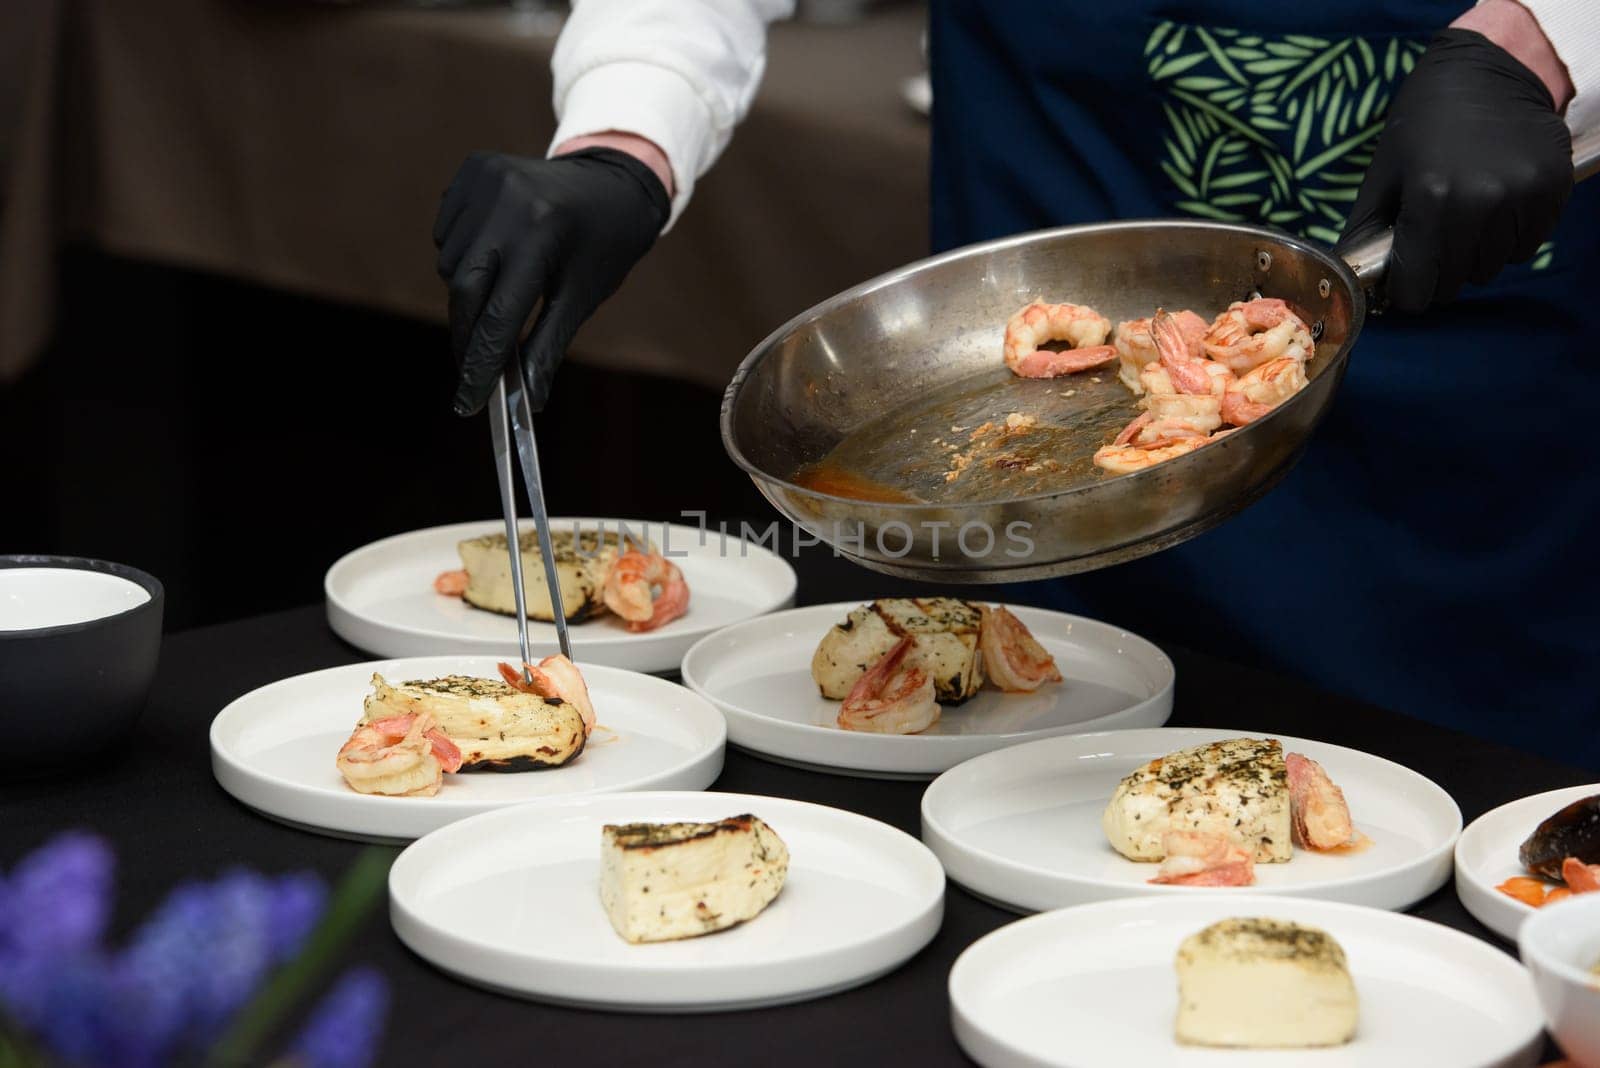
1370	258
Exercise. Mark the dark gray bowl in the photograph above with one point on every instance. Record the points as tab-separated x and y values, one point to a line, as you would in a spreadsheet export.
74	689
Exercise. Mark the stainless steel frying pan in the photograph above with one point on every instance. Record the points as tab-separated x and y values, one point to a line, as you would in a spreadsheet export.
888	380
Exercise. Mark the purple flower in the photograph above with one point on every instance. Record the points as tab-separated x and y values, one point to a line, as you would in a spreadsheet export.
58	898
296	906
345	1029
56	905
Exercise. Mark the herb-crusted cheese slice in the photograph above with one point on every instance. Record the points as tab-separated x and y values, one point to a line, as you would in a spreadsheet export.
1238	788
1264	983
581	566
496	727
946	633
662	881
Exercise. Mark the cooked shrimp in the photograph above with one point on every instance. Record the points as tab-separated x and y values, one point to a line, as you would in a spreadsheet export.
1580	878
1257	392
1148	432
1250	333
1318	815
646	589
1126	459
1201	858
1201	412
1037	323
1137	349
1188	373
1012	658
451	583
554	677
401	756
891	699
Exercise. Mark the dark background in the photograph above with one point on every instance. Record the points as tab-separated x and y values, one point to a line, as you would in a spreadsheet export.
235	441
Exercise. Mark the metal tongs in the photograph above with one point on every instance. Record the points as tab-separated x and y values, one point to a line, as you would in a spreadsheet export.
508	409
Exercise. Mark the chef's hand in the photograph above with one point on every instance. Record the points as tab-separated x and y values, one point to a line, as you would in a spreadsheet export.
512	231
1472	169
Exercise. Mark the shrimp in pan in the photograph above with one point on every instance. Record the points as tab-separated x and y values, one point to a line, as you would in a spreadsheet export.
1136	348
891	698
1083	328
1252	332
1257	392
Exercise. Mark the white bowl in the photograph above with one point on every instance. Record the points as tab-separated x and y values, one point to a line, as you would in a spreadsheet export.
38	598
1560	943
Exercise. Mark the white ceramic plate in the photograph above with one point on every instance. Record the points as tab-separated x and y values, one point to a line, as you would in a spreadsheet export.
1021	827
1095	987
381	599
273	749
1486	856
759	674
511	901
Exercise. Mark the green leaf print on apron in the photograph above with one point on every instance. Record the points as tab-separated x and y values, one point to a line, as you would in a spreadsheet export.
1274	129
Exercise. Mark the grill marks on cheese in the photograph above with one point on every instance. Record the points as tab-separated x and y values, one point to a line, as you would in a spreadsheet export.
665	881
496	727
1261	983
581	566
946	647
1238	788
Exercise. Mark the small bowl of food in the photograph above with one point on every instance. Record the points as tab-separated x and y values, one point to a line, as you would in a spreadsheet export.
79	641
1560	944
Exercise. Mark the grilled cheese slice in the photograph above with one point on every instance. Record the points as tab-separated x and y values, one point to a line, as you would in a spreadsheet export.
582	562
1258	983
946	634
496	727
1238	788
664	881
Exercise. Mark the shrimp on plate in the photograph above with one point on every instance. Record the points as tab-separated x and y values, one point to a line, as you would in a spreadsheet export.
1137	348
646	589
1012	657
1252	332
1580	878
554	677
1319	818
1202	858
400	756
451	583
1258	391
891	698
1083	327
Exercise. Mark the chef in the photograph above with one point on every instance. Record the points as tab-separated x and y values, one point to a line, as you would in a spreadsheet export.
1434	551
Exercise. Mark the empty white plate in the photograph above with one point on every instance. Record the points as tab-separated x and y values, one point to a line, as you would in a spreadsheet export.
274	749
511	901
1021	827
759	674
381	597
1095	987
1486	856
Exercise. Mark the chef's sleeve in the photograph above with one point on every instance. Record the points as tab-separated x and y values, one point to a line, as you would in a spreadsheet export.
681	73
1573	30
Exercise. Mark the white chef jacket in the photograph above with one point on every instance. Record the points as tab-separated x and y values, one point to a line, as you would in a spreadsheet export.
682	73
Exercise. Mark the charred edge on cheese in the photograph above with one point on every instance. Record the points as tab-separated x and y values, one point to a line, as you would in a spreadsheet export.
471	761
586	609
964	620
1278	938
656	835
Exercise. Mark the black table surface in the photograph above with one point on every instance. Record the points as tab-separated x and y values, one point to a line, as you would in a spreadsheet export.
168	819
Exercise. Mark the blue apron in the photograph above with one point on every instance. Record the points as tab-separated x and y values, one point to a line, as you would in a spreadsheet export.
1429	552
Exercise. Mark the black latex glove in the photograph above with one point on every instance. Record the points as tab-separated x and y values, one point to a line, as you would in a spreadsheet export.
513	230
1472	170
